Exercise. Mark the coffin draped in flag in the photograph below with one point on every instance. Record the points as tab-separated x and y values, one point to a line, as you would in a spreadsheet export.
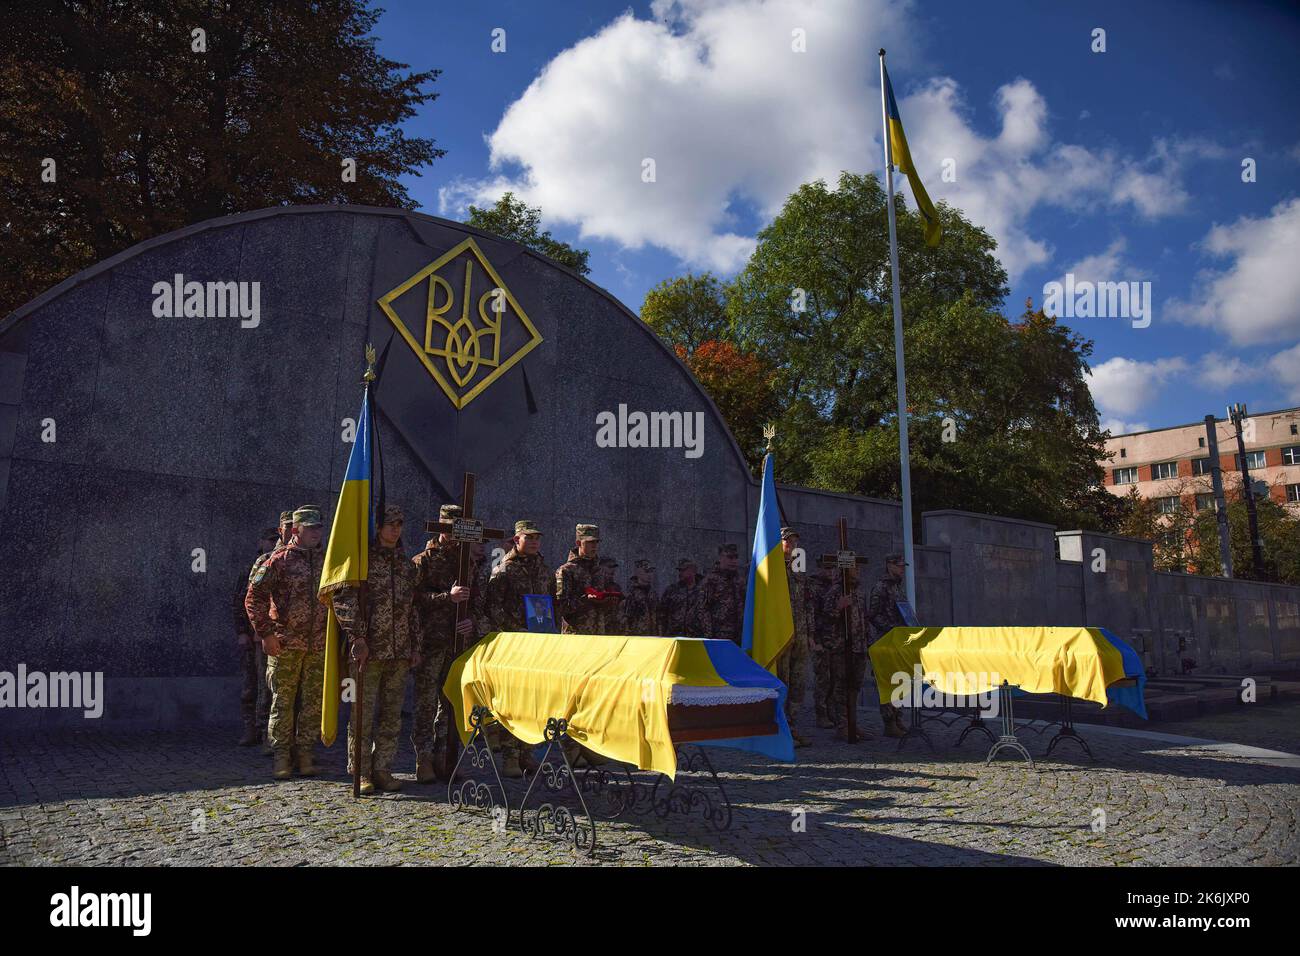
769	619
347	555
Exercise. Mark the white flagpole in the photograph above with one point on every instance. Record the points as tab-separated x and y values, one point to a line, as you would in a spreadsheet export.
905	460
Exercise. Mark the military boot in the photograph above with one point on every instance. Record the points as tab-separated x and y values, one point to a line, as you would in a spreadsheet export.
249	738
385	781
798	738
283	767
306	763
367	786
892	718
424	772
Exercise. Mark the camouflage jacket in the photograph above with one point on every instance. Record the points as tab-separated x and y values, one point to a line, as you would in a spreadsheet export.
681	610
516	576
882	607
391	626
436	568
478	598
817	585
242	624
282	599
834	617
723	604
577	614
801	605
640	611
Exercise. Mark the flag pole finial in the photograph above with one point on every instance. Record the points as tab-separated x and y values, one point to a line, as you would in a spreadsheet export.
369	376
769	432
882	51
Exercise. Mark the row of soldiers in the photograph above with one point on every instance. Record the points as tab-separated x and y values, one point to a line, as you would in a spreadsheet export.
410	627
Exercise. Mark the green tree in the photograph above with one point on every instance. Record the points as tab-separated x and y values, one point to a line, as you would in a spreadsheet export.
149	134
1279	530
688	311
514	219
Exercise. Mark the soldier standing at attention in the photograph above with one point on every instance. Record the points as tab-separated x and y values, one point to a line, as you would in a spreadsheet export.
882	616
282	603
522	571
845	683
382	645
264	679
821	636
252	659
724	597
437	596
578	611
792	665
680	612
640	610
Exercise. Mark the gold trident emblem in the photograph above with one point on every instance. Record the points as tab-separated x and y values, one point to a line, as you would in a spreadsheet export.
466	348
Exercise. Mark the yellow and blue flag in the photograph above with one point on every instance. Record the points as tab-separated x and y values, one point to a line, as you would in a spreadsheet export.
901	157
347	556
769	620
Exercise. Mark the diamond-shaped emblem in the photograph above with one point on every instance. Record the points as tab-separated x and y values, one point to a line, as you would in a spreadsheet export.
470	319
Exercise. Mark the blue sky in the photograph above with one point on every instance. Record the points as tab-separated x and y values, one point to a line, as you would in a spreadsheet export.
1122	165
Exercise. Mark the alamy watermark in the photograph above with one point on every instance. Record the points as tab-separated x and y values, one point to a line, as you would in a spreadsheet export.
71	689
626	429
1098	300
208	300
918	690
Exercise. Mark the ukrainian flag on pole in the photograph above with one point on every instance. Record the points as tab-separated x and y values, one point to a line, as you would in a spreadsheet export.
901	157
348	553
769	620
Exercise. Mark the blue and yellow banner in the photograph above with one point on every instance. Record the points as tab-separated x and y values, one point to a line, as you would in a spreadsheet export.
346	559
902	159
769	620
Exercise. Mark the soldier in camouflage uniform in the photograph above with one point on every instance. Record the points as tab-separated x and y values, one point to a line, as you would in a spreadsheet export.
252	659
437	596
882	616
681	613
792	665
286	613
640	610
845	683
264	666
522	571
818	582
723	597
382	646
578	611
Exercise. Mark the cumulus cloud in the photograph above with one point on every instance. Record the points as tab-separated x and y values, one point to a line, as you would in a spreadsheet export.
1285	366
1253	299
1117	426
1122	386
713	92
1104	266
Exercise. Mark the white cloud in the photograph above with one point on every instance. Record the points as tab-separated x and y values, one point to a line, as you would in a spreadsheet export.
1256	297
1286	366
1121	386
1105	266
712	91
1118	427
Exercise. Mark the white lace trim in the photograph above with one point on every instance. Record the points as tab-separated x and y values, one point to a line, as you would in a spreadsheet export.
715	696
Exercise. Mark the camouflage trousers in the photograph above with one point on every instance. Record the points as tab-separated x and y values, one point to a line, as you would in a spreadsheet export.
255	694
431	718
845	681
792	670
384	687
295	676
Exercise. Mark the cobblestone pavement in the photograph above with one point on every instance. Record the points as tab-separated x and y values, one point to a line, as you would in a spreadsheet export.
194	798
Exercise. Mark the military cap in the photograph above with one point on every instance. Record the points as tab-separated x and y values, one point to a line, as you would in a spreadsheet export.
393	513
894	557
788	532
643	564
728	549
524	526
588	532
286	517
307	516
684	563
450	512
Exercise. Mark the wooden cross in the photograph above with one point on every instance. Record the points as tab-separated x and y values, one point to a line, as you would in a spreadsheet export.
465	531
845	559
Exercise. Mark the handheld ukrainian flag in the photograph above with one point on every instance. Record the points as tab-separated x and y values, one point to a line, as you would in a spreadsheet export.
769	620
348	553
900	156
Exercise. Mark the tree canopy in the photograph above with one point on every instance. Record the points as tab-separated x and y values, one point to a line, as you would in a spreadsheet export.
511	218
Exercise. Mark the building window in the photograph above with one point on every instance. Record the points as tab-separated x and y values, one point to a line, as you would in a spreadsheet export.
1295	429
1123	453
1254	460
1164	469
1293	492
1170	541
1205	502
1200	442
1291	455
1201	466
1168	505
1126	476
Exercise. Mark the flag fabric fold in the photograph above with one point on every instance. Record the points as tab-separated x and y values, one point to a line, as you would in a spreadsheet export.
901	157
346	558
769	619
